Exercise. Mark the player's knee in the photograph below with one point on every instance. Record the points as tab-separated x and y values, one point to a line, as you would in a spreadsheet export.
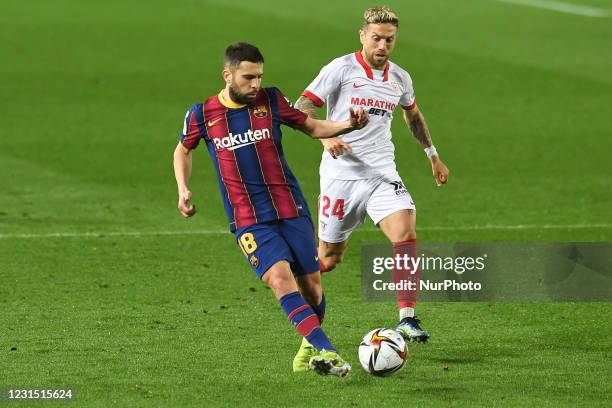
329	262
408	235
334	259
331	256
281	281
280	285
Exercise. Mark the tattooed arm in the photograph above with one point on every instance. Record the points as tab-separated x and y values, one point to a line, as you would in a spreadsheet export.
416	122
334	146
307	106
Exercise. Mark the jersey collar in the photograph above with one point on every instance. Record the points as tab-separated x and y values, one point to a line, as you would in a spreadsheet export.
367	68
228	104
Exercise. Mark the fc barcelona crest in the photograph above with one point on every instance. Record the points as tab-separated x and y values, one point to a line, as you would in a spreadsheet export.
260	111
254	261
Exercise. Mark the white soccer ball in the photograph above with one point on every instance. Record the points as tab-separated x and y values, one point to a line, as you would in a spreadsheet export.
383	352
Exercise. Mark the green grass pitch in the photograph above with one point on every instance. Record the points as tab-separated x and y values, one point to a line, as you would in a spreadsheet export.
107	290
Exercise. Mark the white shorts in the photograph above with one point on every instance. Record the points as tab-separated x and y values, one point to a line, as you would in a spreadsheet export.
343	204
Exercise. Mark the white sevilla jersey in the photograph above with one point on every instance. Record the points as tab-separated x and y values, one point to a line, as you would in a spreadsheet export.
348	82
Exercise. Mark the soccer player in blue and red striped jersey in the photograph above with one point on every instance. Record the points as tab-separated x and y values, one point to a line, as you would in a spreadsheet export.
241	127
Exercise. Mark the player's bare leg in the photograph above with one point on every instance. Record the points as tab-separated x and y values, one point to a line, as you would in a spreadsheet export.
399	226
400	229
326	361
310	288
280	279
331	254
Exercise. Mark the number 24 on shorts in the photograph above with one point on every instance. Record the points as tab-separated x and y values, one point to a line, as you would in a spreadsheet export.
337	209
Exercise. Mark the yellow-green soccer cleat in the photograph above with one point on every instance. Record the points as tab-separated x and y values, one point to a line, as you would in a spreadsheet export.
329	363
301	360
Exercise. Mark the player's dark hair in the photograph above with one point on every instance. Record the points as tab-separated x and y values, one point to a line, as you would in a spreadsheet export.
238	52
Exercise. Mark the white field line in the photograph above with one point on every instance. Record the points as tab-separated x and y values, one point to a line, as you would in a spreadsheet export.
562	7
100	234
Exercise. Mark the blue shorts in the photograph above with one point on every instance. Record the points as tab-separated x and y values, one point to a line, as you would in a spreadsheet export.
292	240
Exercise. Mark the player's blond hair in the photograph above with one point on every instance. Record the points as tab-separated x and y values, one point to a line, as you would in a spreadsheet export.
379	15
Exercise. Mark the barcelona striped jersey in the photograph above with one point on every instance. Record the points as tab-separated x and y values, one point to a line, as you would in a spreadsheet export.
244	143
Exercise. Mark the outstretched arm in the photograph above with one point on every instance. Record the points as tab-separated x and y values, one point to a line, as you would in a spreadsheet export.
182	172
334	146
416	122
307	106
324	129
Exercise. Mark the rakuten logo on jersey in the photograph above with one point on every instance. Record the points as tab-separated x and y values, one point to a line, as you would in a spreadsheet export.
233	142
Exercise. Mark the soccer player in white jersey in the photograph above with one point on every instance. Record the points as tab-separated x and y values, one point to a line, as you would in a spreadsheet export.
364	179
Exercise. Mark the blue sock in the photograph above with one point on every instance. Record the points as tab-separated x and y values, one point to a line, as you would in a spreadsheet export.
320	309
305	320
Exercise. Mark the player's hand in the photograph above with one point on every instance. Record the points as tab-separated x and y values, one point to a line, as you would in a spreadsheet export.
359	118
440	171
186	209
336	146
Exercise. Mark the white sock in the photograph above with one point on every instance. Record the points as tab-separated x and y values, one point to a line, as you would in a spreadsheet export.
405	312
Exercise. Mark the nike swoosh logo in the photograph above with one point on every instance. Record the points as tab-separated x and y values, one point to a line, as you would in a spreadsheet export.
212	122
358	86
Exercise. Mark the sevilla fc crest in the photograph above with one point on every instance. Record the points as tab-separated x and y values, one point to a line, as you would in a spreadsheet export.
394	86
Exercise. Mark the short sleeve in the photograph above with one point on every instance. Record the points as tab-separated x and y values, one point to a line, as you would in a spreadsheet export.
407	100
328	80
193	127
288	114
